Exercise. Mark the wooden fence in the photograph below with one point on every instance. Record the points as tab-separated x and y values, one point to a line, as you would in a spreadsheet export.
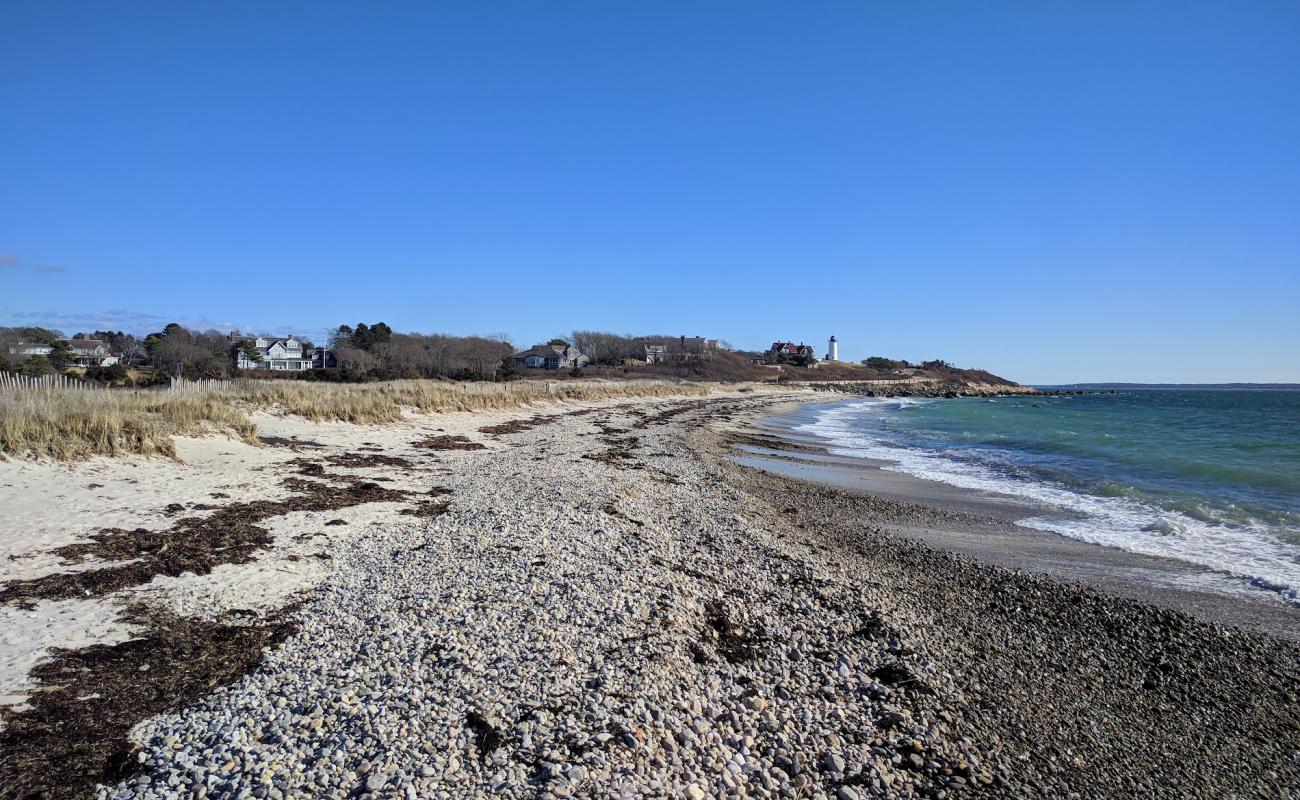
186	386
10	382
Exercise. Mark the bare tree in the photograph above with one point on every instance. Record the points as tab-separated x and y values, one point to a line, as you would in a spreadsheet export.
352	358
130	350
610	348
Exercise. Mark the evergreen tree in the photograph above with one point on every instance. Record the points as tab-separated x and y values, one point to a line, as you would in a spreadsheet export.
248	348
509	370
61	356
365	337
342	338
35	366
380	333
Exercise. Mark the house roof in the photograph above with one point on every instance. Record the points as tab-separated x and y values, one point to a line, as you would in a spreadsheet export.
272	342
84	344
779	346
545	351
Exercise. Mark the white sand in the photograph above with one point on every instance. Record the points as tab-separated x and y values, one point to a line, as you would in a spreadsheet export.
48	505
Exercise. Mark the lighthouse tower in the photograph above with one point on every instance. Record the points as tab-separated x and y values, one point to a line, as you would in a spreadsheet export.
833	354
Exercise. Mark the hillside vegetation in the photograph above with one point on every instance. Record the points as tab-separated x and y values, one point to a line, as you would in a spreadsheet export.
730	366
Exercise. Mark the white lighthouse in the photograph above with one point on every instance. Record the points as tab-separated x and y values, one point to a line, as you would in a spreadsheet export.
833	353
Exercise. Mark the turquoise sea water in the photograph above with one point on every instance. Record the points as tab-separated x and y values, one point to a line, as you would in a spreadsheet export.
1207	476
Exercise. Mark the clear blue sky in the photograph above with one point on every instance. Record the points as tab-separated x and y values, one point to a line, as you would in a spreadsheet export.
1054	191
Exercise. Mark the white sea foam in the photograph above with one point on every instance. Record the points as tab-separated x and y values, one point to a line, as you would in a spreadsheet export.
1254	554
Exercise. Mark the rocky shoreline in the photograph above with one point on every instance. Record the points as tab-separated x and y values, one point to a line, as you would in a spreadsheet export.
948	390
1065	679
604	605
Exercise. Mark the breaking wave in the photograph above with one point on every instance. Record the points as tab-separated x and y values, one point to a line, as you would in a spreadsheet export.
1259	550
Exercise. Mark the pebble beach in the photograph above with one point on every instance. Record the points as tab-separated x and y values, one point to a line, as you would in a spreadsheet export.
597	602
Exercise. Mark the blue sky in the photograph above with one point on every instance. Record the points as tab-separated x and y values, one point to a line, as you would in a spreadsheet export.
1053	191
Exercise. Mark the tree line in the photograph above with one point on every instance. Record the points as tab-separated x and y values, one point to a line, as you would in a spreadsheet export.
361	352
613	349
376	352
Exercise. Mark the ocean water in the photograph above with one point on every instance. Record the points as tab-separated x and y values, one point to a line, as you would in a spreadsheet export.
1210	477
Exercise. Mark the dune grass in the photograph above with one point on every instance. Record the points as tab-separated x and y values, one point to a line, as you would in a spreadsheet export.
71	425
384	402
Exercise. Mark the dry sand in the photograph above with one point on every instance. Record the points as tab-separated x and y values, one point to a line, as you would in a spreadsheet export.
48	505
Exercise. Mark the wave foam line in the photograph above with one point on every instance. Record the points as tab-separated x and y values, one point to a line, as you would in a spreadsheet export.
1254	554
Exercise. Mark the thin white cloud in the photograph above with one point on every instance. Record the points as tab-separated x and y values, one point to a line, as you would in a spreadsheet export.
140	323
11	261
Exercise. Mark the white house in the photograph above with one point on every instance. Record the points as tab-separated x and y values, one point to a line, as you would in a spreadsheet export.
276	354
30	349
551	356
84	351
88	352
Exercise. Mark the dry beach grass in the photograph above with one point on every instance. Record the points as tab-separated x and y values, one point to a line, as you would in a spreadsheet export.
71	425
384	402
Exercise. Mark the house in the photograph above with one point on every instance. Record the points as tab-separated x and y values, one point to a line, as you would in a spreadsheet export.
84	351
551	356
30	349
698	344
323	359
655	353
87	352
276	354
689	348
790	349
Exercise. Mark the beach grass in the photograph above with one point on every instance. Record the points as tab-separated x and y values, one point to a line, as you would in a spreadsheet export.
72	425
386	401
